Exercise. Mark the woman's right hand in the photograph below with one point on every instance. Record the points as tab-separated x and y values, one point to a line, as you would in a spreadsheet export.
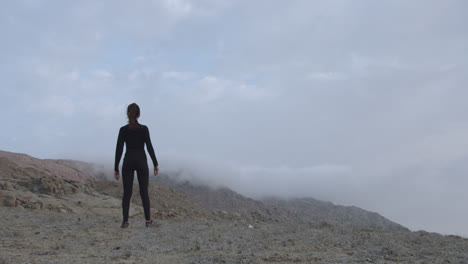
156	170
116	175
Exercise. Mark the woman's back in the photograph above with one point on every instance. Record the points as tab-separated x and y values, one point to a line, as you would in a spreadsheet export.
135	139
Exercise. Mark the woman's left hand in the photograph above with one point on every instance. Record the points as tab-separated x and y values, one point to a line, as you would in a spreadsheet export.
156	170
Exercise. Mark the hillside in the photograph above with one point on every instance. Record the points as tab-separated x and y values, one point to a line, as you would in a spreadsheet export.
309	209
224	199
34	188
46	218
303	209
66	169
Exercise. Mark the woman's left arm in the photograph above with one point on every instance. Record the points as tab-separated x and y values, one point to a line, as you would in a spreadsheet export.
150	149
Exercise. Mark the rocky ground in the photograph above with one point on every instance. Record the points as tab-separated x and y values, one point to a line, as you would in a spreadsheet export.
43	236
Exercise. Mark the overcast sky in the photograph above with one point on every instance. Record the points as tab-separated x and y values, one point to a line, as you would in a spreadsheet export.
356	102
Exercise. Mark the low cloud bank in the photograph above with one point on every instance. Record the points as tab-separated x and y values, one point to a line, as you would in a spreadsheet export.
255	181
418	201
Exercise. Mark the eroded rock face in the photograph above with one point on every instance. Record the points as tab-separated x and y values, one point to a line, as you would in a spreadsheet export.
7	186
7	198
35	189
66	169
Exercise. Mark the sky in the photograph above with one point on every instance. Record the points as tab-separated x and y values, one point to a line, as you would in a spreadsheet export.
355	102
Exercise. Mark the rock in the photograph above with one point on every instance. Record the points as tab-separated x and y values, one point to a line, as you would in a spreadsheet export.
9	200
7	186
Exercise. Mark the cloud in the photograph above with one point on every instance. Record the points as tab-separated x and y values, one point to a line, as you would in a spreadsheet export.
103	74
178	7
326	76
256	182
179	76
211	88
56	105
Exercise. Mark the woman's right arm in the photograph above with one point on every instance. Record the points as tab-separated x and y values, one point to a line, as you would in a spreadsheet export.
119	150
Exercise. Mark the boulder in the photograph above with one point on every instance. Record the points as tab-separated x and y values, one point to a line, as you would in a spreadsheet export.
7	198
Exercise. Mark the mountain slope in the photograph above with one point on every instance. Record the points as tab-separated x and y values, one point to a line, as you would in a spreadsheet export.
302	210
223	199
309	209
35	188
67	169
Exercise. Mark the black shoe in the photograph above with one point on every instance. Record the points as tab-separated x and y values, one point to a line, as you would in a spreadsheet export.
152	224
124	225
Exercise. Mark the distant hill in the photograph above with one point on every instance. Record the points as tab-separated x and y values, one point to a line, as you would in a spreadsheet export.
300	209
224	199
309	209
67	169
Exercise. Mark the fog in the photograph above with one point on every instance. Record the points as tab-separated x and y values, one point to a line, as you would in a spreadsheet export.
355	102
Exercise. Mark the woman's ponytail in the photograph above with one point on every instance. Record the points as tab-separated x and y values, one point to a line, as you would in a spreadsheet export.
133	111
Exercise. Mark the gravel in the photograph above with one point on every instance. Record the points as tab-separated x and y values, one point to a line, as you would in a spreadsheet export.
42	236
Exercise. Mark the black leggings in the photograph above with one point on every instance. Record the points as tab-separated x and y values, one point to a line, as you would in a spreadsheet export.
130	164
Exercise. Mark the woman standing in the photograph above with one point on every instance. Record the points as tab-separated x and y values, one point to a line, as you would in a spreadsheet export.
135	136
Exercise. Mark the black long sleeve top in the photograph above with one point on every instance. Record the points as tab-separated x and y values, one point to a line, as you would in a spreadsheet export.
135	139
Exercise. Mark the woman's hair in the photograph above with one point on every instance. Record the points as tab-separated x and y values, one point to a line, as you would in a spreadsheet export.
133	110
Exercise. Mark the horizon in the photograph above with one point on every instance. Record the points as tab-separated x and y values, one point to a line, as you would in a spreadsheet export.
352	102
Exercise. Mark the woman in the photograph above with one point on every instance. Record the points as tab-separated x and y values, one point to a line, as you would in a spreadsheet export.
135	135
